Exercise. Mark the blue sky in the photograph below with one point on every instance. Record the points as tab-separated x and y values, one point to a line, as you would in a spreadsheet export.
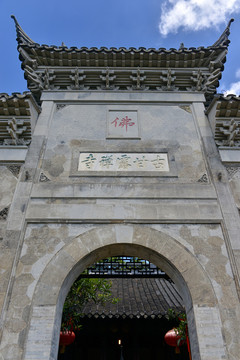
148	23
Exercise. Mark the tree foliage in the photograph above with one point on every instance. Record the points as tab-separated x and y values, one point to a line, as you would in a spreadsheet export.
83	291
181	328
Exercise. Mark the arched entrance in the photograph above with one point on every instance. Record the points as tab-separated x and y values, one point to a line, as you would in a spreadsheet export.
133	328
130	240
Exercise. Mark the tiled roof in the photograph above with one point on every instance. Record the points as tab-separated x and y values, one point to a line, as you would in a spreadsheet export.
53	68
225	121
16	115
139	298
17	104
51	55
227	106
27	43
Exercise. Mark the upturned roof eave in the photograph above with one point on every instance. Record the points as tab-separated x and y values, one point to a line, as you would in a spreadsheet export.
26	47
223	40
22	37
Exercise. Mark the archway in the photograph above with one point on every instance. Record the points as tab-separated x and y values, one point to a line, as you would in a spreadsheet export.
134	240
134	326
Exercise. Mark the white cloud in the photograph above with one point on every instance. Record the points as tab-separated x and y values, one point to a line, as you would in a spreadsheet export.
195	14
238	73
234	89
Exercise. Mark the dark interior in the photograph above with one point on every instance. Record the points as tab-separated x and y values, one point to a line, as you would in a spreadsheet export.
141	339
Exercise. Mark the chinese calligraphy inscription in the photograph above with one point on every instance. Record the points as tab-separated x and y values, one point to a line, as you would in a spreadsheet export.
122	124
130	162
125	122
106	161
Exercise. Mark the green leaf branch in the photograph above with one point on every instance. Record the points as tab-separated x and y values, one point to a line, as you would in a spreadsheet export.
82	292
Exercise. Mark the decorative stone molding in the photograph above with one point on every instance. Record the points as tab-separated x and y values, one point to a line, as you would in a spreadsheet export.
233	172
203	179
4	213
60	106
43	178
186	108
15	169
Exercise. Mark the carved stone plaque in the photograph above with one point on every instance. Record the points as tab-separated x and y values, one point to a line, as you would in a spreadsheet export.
130	162
122	124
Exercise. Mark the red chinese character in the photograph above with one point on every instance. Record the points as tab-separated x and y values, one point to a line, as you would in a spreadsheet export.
125	122
115	121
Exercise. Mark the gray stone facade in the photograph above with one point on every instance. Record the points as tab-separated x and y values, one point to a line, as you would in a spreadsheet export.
167	192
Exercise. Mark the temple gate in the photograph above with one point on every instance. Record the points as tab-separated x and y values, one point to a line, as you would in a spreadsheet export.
119	151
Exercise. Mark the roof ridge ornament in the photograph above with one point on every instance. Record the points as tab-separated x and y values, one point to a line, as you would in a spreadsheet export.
22	37
181	47
223	40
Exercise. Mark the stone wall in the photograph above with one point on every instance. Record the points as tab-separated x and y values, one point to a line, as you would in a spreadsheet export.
8	181
153	192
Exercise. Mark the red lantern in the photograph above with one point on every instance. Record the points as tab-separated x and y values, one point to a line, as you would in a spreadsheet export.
66	338
173	339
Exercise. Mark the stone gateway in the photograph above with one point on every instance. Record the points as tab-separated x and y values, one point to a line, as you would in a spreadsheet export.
119	152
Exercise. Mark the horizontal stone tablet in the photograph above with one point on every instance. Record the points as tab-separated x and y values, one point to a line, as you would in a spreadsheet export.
136	162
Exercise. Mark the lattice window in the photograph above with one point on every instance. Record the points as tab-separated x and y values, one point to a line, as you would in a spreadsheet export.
123	266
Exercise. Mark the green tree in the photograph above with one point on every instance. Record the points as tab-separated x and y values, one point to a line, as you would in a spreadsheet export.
83	291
